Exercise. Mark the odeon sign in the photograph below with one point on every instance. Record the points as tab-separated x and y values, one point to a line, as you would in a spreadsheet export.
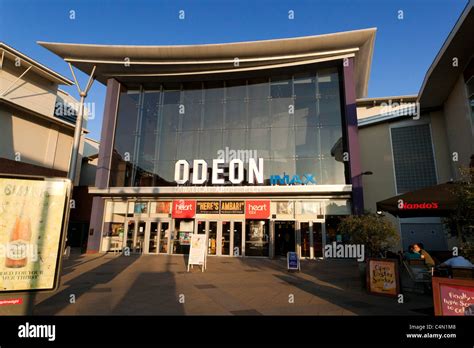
235	170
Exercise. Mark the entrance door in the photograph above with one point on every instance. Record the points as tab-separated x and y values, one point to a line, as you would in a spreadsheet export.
231	238
158	234
217	242
317	239
164	237
236	237
136	235
285	240
305	240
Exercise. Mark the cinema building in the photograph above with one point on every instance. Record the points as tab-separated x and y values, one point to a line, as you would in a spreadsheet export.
254	144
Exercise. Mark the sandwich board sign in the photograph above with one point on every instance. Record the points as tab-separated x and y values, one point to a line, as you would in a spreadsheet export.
197	251
293	262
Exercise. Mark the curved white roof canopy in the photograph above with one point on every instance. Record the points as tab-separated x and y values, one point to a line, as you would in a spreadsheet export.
132	64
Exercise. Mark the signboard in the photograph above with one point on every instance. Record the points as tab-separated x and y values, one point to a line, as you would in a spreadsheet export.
220	170
207	207
232	207
292	261
140	207
285	208
453	296
163	207
32	217
257	209
382	277
184	209
197	252
186	229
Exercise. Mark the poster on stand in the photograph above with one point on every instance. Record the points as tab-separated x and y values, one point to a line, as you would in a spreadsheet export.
33	214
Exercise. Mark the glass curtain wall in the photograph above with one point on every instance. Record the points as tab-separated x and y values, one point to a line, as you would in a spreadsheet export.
293	122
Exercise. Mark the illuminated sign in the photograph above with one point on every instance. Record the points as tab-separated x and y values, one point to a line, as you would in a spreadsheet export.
285	179
184	209
235	171
232	207
207	207
414	206
257	209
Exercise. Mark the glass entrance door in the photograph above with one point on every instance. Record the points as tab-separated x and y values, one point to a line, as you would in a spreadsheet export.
153	238
305	242
164	237
135	235
237	238
310	237
213	231
158	235
317	239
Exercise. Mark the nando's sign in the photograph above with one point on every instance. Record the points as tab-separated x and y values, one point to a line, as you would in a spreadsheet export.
415	206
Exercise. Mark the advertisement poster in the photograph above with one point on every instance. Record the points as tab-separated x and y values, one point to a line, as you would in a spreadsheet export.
163	207
184	209
31	221
284	208
197	252
453	296
382	277
207	207
257	209
232	207
140	207
185	232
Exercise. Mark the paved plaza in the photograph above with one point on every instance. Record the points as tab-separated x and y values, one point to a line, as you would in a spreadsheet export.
107	284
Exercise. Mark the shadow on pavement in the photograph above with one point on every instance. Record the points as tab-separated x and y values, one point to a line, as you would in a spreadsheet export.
83	284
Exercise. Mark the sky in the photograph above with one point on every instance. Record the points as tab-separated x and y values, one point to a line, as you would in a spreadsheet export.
409	32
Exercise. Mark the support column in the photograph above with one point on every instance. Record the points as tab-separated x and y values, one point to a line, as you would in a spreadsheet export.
353	136
104	163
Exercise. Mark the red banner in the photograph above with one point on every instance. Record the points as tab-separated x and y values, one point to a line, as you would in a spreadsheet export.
257	209
183	209
11	301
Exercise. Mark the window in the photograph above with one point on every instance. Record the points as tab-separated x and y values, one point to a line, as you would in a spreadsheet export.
291	121
413	157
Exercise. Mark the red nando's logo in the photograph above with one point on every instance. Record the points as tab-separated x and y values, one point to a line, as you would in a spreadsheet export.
426	205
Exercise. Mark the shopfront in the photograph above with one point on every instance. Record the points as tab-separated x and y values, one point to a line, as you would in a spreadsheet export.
233	228
253	144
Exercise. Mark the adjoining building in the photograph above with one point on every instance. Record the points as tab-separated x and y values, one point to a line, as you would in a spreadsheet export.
254	144
417	153
37	121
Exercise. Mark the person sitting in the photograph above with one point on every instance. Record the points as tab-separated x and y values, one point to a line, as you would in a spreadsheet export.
424	255
411	254
457	261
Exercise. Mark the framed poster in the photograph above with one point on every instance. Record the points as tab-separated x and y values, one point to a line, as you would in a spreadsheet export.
292	261
382	277
453	296
197	252
163	207
207	207
232	207
33	216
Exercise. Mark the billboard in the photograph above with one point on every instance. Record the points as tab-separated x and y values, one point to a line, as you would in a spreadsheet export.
32	218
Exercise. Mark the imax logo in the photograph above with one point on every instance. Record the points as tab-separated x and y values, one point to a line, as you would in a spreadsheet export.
306	179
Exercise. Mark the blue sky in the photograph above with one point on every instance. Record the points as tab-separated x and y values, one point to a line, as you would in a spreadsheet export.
404	49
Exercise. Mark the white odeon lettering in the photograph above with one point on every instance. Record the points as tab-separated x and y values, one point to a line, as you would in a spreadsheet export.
236	171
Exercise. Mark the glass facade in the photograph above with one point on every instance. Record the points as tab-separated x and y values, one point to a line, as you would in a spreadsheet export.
293	122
